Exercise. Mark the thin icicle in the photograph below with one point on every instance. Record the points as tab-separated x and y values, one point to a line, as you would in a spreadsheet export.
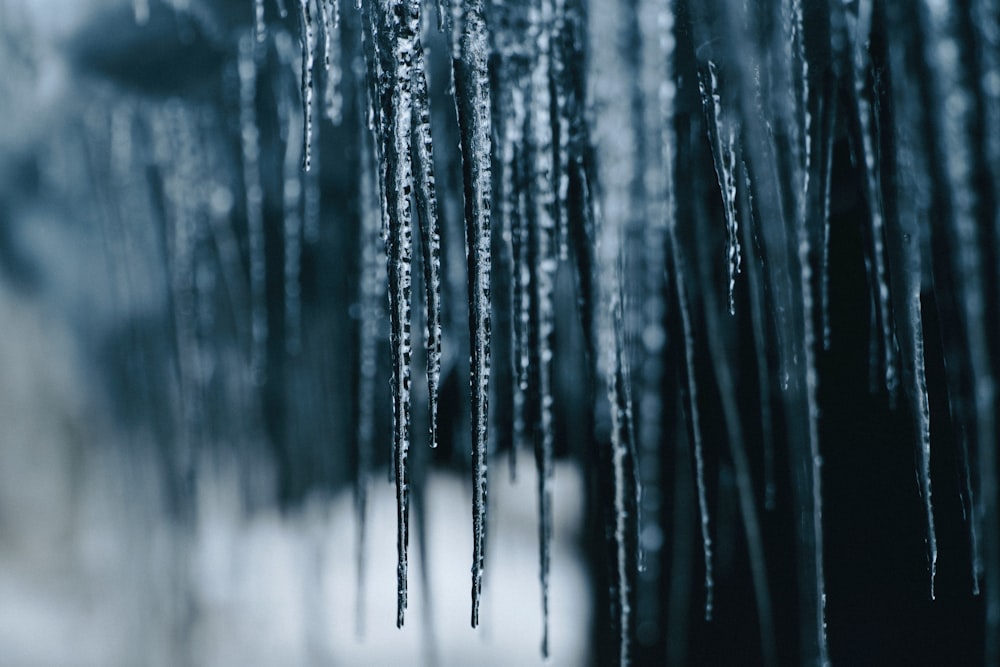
260	26
472	98
811	392
250	140
399	185
430	228
825	238
669	146
868	148
561	124
904	238
923	413
333	101
722	136
624	477
292	200
694	418
371	295
542	263
308	78
758	321
722	363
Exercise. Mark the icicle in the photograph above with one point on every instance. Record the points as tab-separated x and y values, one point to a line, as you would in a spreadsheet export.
561	124
722	136
308	39
472	98
624	476
444	14
953	121
923	417
372	293
694	417
873	191
668	93
312	196
399	247
513	204
760	344
986	23
282	9
509	117
542	262
825	239
141	10
722	362
430	229
250	140
292	199
260	26
333	101
815	461
904	237
512	83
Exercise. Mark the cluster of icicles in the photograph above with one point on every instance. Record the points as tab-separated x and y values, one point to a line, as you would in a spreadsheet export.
575	125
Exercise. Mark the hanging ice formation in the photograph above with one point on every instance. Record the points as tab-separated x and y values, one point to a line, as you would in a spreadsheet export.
687	166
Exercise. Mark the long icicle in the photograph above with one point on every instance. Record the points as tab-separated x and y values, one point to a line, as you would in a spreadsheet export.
472	98
250	139
542	261
399	184
430	228
722	365
872	190
954	120
669	147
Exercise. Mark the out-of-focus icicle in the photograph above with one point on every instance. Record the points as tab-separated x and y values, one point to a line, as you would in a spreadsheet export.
333	101
986	23
806	458
872	189
141	10
308	39
722	364
654	408
292	185
372	293
292	205
759	323
282	8
694	418
722	137
472	98
250	141
512	46
430	229
669	147
560	123
912	198
260	26
954	119
542	263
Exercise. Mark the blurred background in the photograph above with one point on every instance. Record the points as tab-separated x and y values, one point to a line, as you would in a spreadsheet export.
195	400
